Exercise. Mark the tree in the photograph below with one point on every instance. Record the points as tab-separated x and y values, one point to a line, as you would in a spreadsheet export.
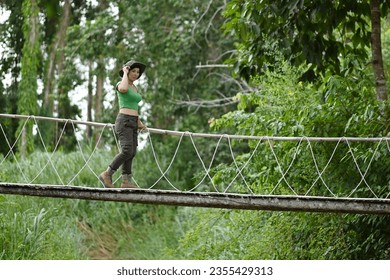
321	33
55	58
189	35
12	39
89	50
376	49
11	35
55	35
27	104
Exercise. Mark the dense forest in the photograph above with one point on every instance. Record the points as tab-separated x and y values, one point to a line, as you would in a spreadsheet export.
286	68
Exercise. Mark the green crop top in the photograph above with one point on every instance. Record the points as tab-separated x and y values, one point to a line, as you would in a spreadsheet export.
130	99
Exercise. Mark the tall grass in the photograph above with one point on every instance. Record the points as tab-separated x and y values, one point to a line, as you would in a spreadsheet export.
30	230
58	168
53	228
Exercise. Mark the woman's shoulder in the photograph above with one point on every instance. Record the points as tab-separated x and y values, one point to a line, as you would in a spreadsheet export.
117	89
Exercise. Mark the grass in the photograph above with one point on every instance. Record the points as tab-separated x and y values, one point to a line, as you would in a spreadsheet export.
36	228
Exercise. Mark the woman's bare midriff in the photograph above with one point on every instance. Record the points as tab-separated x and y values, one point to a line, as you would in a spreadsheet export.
127	111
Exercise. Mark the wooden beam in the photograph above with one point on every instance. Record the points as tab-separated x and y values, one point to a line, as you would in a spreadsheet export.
211	200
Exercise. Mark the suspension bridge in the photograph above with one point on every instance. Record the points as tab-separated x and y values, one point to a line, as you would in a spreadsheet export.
240	188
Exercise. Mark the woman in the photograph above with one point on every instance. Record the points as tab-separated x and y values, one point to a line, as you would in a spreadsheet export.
126	125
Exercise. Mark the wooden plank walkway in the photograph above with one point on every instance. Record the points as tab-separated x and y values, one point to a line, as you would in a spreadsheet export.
203	199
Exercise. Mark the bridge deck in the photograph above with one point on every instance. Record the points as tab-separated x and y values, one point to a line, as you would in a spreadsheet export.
203	199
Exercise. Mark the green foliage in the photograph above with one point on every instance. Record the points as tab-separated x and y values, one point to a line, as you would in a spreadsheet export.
92	40
282	105
182	161
315	32
247	235
11	33
56	168
127	231
372	241
27	103
32	232
189	35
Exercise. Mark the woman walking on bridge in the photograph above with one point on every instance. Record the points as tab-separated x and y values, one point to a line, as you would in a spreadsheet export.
126	125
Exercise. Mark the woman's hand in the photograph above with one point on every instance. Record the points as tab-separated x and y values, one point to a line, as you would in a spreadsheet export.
125	70
141	126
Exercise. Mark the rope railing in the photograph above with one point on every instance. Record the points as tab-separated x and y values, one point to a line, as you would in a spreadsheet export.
238	191
209	135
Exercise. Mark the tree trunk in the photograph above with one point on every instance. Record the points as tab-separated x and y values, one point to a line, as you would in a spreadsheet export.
99	90
100	77
27	103
62	35
90	99
376	48
58	43
55	62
